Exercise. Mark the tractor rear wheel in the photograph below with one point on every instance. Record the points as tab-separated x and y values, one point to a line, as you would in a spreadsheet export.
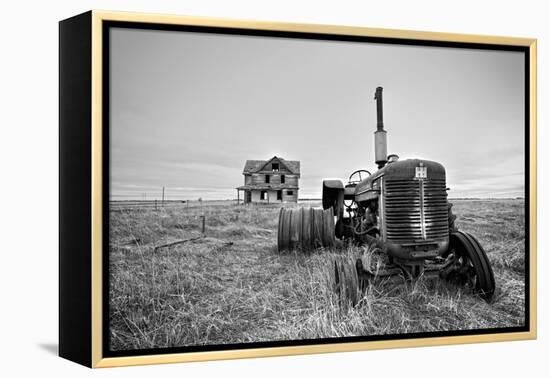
473	266
452	218
305	229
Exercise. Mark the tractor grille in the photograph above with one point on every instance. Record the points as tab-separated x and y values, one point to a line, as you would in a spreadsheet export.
415	210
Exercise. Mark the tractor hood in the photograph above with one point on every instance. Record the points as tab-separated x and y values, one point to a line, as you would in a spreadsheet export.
410	169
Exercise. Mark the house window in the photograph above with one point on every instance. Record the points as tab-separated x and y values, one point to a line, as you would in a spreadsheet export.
289	192
267	179
275	167
263	195
282	179
279	195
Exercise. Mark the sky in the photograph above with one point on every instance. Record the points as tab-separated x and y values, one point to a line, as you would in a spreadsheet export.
188	109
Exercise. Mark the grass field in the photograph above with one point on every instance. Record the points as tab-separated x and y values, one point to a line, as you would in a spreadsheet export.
233	287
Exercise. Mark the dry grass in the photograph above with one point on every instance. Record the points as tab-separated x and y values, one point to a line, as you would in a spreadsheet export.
233	287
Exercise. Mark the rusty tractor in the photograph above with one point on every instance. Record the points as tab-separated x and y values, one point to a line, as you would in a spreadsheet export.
402	208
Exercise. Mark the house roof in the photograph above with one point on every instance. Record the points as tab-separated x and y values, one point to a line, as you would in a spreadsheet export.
253	166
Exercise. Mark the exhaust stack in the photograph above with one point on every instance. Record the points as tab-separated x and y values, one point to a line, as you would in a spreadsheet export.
380	143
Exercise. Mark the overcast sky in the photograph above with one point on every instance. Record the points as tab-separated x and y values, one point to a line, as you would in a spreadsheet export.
188	109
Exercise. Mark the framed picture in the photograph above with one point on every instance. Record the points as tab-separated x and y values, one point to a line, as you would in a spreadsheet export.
235	189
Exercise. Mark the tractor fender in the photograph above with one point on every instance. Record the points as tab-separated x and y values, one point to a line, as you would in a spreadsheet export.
333	196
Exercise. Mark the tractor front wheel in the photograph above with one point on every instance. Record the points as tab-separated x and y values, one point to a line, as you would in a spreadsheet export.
473	268
346	281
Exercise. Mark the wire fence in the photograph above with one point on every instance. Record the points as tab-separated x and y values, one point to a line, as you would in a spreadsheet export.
118	205
169	198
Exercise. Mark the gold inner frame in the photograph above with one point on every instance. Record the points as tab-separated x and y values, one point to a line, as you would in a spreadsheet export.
97	210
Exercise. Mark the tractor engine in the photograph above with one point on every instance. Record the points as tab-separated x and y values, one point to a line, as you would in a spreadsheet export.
403	205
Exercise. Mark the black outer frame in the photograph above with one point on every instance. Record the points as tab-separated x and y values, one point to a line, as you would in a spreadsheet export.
75	189
75	186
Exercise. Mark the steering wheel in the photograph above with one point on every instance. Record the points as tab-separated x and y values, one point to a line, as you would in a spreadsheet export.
358	173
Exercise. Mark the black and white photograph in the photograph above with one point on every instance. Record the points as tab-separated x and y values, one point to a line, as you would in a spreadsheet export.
276	188
279	189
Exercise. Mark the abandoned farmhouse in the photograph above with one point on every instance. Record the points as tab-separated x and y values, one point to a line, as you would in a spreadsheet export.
270	181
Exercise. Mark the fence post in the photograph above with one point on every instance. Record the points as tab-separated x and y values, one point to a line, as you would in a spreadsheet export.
203	218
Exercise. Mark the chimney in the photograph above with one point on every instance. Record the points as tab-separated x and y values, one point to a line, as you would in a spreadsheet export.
380	143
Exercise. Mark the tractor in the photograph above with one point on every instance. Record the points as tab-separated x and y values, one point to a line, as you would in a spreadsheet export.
402	208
